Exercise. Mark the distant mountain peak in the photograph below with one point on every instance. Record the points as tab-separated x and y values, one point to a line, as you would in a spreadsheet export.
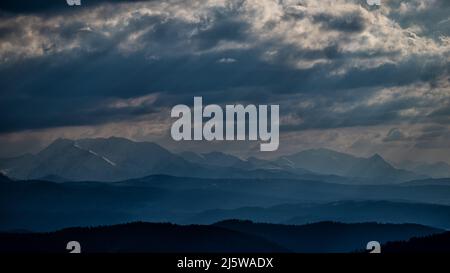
330	162
377	157
57	145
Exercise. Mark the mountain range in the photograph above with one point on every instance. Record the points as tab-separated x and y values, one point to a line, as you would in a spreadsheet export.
96	160
116	159
113	159
325	161
295	201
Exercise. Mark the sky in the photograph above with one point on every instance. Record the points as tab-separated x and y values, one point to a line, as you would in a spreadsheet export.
347	76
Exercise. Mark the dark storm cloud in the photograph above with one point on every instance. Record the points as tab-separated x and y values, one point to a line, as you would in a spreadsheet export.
322	117
412	70
366	107
347	22
441	115
9	32
173	36
431	16
85	64
84	81
21	114
60	87
433	137
223	30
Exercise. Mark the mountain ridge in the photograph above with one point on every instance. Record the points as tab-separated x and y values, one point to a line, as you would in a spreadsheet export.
117	159
326	161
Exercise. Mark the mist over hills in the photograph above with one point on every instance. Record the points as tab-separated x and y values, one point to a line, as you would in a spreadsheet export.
91	182
341	211
44	206
425	182
116	159
292	199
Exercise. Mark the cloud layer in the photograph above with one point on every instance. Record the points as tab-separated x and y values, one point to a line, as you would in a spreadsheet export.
331	65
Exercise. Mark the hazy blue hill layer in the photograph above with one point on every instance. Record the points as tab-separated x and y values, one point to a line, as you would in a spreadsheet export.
425	182
228	236
304	190
42	205
343	211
